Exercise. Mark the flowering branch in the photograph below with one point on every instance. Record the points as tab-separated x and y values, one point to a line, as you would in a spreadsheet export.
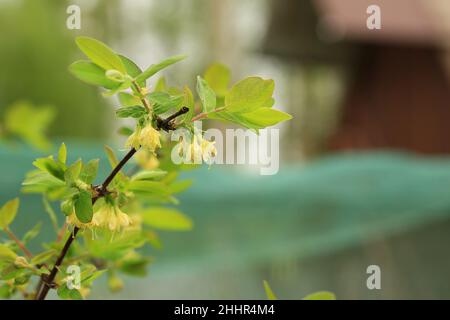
46	282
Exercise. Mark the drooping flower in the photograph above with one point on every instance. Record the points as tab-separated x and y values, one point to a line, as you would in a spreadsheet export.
133	140
110	216
149	138
209	151
197	150
73	220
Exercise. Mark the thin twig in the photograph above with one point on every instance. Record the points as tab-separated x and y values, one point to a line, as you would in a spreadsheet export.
205	114
19	243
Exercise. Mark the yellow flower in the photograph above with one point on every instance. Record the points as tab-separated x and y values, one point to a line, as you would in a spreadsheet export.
73	220
197	150
149	138
133	140
147	160
209	151
111	217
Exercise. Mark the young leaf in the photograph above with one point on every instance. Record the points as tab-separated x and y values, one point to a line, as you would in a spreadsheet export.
91	73
128	100
100	54
8	213
89	171
43	256
154	68
32	233
250	94
188	101
131	112
6	253
149	174
111	156
166	219
51	213
163	102
269	293
51	166
62	153
206	94
320	295
160	85
83	206
125	131
265	117
132	69
69	294
218	77
146	187
73	172
115	75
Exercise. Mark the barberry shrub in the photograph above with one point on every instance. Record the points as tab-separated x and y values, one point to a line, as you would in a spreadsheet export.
102	228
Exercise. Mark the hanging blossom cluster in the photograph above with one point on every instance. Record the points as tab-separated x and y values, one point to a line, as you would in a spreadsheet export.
108	216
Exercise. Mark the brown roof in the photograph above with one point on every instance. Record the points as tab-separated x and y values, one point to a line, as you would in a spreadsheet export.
414	21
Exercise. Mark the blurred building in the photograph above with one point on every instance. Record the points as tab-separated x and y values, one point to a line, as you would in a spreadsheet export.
398	93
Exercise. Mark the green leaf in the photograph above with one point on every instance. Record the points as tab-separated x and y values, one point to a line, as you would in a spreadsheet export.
250	94
147	187
125	131
88	280
8	212
115	75
73	172
269	293
154	68
29	123
32	233
51	166
137	266
166	219
128	100
320	295
149	174
43	256
83	206
69	294
100	54
89	171
111	156
206	94
163	102
131	112
62	153
91	73
188	101
51	213
131	67
122	86
160	85
67	207
6	253
180	186
265	117
218	77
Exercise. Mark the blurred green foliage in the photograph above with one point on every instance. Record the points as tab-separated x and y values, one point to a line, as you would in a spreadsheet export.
36	49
